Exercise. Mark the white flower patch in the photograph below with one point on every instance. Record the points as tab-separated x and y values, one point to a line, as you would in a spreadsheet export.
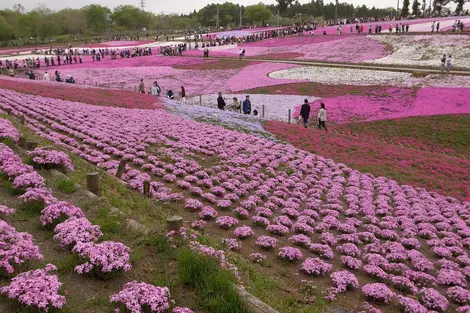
276	107
425	50
326	75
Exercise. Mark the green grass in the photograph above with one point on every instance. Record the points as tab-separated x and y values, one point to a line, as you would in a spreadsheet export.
215	289
66	185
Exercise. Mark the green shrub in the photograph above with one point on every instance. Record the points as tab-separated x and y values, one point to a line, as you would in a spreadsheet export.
66	185
215	288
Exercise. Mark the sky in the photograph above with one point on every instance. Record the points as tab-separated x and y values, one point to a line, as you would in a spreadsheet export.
166	6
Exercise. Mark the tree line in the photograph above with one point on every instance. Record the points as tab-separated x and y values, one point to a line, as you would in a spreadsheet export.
92	20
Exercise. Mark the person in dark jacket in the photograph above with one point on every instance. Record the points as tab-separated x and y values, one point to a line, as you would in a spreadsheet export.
246	107
221	102
305	112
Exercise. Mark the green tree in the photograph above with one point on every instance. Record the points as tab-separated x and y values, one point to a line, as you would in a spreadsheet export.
97	17
459	8
128	17
405	10
282	5
416	8
257	13
6	30
70	21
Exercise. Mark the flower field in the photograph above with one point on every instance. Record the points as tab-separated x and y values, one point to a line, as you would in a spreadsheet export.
368	239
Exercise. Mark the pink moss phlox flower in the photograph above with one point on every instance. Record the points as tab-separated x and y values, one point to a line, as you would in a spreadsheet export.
410	305
42	195
266	242
105	257
7	130
137	296
208	213
43	156
290	254
200	224
243	232
459	295
315	267
27	180
232	244
350	262
378	292
37	288
6	210
76	230
16	247
60	209
432	299
226	221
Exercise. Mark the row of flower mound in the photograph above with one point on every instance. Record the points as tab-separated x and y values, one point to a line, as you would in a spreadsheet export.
72	231
276	200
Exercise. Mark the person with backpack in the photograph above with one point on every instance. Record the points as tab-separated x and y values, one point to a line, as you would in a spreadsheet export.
305	112
443	62
220	102
449	63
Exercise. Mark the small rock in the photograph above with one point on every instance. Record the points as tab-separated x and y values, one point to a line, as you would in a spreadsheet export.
135	226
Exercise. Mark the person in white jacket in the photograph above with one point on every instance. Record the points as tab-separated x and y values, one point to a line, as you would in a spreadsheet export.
46	77
322	117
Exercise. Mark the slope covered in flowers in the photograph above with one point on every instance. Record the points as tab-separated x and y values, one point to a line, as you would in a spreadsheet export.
78	93
324	217
434	171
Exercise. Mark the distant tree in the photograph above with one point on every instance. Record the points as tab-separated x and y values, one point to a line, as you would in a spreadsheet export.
282	5
18	8
416	8
6	30
405	10
258	13
97	17
459	8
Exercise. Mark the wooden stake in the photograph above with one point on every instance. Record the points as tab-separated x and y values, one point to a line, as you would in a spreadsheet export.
120	169
93	182
174	223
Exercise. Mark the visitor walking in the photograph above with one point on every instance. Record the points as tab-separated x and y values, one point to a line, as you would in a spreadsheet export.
221	102
322	117
246	107
433	26
183	94
449	63
438	27
305	112
443	62
141	86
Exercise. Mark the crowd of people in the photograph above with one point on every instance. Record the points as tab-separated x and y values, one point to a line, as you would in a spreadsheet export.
47	77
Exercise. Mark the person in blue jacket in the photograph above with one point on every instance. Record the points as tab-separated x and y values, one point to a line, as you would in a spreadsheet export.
246	106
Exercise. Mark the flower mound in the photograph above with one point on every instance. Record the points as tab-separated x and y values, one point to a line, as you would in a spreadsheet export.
7	130
54	158
378	292
459	295
433	300
42	195
138	296
15	247
243	232
76	230
57	210
315	267
27	180
6	210
266	242
104	257
226	221
36	288
290	254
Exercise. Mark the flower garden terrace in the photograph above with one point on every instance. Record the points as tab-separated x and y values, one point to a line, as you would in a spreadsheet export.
322	216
